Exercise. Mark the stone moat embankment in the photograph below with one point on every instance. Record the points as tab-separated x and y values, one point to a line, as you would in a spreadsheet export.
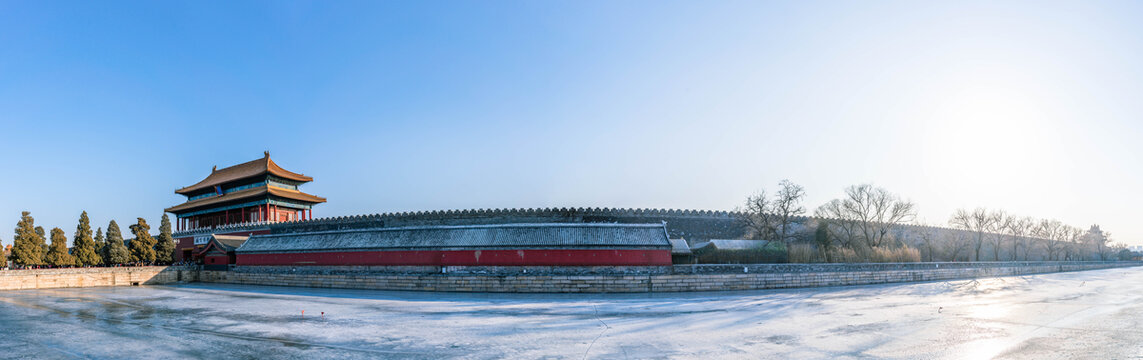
678	278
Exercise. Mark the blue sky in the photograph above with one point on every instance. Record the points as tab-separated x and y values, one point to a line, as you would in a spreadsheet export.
395	106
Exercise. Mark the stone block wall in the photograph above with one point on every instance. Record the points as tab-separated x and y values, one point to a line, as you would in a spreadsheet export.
88	277
535	279
440	282
679	278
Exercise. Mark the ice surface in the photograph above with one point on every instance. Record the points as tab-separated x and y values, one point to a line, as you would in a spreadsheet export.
1091	314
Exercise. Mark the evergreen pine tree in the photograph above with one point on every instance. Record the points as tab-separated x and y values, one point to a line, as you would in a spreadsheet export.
101	246
143	245
165	248
25	248
3	255
57	253
116	252
85	253
41	240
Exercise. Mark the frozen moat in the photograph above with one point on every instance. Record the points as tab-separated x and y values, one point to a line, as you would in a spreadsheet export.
1092	314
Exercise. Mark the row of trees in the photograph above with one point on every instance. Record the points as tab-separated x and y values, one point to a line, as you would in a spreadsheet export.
1011	237
870	223
861	224
856	227
31	249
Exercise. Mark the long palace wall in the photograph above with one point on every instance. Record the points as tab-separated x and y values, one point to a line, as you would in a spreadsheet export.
689	224
693	225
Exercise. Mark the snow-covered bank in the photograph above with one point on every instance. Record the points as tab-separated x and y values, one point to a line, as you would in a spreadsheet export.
1089	314
621	279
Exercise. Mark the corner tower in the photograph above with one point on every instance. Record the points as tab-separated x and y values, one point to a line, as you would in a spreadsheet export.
251	192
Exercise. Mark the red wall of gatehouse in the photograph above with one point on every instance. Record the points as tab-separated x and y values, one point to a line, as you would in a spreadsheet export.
563	257
216	260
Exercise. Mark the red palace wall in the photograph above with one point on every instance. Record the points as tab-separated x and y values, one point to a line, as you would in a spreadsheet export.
216	260
466	258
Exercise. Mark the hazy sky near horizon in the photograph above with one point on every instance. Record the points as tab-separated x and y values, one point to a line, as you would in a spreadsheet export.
1031	107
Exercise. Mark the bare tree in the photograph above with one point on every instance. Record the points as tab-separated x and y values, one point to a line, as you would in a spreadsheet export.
955	245
926	240
840	230
998	226
867	214
1049	232
1019	229
1072	238
787	205
1109	251
772	219
1120	252
978	221
759	218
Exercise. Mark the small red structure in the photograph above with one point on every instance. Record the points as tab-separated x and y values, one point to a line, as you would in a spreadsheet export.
218	253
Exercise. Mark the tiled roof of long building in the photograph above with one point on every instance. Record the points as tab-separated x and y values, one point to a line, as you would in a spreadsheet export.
505	236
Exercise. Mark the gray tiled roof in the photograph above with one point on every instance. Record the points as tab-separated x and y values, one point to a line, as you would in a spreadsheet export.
504	236
680	247
230	242
732	244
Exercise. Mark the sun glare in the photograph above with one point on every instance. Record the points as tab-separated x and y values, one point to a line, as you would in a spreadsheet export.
988	139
